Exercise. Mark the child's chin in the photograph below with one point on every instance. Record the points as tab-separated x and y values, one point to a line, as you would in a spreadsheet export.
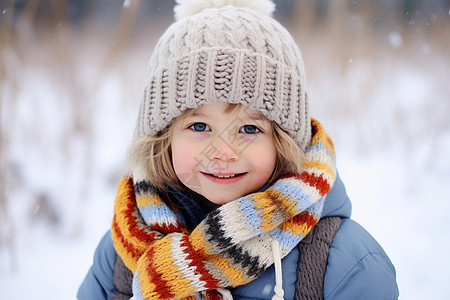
219	201
220	196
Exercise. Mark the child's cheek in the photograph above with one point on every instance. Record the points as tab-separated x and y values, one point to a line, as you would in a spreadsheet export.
183	159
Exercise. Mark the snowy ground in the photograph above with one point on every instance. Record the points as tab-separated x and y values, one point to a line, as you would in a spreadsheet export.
392	151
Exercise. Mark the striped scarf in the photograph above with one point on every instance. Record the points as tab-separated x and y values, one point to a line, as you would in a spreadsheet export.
232	245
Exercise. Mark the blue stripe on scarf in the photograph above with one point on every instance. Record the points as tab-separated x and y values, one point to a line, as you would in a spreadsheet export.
153	212
286	238
251	214
302	199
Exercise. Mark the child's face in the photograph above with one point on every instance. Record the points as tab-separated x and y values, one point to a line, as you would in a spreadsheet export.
222	154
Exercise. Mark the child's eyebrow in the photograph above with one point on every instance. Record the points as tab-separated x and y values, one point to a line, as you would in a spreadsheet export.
198	114
256	115
250	115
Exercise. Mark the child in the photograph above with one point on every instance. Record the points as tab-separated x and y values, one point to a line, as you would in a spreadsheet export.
229	176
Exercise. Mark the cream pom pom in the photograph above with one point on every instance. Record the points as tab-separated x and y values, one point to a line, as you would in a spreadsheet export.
186	8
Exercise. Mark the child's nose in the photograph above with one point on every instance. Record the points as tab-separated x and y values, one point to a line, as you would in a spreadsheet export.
224	150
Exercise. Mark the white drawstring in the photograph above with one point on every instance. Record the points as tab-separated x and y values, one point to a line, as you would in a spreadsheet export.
278	289
226	294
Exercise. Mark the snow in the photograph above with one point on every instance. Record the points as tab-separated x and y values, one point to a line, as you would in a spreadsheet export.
392	154
395	39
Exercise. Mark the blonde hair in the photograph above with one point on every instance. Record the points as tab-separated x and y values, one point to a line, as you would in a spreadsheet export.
154	153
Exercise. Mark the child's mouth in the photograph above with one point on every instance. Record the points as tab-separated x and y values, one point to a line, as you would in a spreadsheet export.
224	178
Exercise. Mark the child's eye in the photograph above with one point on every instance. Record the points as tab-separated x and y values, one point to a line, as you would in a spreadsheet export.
249	129
199	127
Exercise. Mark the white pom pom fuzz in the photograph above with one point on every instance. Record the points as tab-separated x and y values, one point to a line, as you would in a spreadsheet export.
186	8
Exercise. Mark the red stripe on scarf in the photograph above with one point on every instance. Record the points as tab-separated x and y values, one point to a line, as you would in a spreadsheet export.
211	282
318	182
162	288
132	216
137	229
305	218
168	228
123	242
212	295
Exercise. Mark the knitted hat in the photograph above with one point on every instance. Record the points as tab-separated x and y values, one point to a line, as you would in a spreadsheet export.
230	51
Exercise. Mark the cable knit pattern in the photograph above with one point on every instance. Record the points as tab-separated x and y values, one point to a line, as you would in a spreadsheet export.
232	245
229	54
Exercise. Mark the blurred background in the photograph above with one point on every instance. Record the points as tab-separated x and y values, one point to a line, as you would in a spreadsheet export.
71	77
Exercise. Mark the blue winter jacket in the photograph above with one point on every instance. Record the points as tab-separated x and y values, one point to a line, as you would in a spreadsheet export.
358	268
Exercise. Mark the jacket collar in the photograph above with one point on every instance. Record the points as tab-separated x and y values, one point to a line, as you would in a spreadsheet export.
337	202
